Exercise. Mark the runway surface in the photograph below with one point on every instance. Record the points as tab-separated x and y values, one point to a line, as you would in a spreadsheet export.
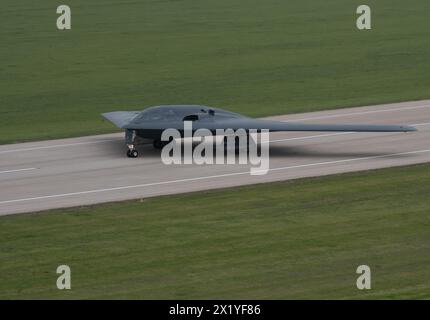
87	170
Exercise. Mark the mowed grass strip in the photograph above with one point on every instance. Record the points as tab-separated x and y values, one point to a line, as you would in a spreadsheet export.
255	57
296	239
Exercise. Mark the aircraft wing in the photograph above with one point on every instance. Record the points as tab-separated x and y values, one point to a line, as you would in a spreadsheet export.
127	120
120	118
249	123
293	126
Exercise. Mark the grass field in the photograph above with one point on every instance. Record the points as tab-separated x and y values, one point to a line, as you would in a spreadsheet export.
256	57
297	239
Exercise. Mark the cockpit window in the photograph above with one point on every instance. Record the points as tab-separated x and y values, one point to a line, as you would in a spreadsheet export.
191	117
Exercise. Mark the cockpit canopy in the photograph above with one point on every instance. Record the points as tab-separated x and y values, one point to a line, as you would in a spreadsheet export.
181	113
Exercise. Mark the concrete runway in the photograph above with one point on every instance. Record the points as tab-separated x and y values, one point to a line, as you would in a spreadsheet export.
80	171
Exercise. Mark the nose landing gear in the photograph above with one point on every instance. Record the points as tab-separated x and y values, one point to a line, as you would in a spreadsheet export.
132	152
130	136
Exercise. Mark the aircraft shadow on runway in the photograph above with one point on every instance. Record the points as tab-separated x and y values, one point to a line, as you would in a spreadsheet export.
312	152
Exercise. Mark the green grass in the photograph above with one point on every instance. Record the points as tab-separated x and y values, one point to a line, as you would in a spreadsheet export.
297	239
300	239
255	57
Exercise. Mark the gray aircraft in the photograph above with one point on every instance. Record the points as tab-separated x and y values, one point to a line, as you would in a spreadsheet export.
151	122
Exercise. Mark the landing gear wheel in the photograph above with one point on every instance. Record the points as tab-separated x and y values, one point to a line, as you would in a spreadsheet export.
132	153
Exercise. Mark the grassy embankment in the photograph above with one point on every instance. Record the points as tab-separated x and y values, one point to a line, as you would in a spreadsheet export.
259	58
297	239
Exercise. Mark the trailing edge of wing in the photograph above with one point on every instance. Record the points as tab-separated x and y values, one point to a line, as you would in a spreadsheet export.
291	126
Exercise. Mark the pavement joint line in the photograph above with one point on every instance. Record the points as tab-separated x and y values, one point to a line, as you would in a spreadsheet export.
58	146
420	124
17	170
362	112
211	177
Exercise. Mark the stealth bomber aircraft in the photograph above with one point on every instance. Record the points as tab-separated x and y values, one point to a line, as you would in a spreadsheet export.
151	122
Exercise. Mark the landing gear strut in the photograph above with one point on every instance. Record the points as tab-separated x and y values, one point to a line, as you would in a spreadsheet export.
157	144
130	136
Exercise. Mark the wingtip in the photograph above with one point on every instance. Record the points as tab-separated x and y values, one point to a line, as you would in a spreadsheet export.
409	129
120	118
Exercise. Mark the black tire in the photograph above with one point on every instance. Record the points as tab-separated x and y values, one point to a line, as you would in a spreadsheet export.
132	153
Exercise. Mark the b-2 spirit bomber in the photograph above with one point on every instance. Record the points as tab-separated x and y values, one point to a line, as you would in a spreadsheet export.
151	122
